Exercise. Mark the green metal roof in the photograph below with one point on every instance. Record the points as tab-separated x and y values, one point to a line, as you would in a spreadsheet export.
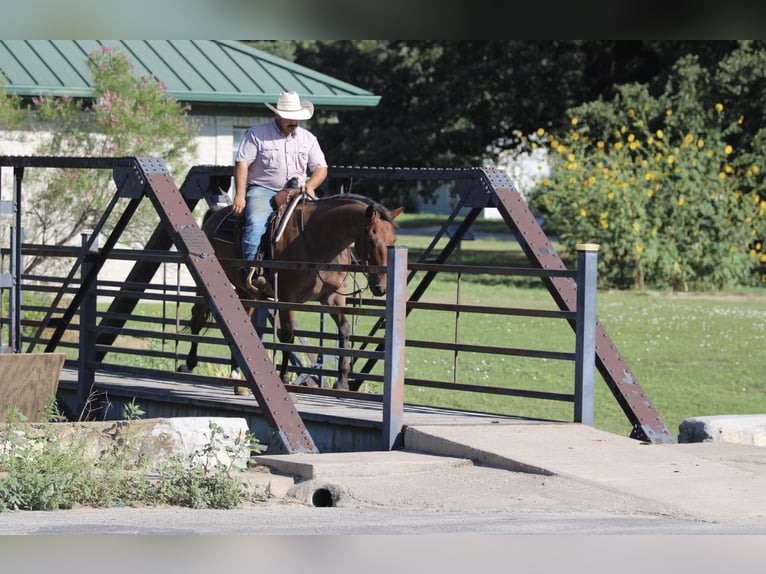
204	71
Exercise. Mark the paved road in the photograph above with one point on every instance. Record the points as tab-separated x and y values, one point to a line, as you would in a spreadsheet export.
474	479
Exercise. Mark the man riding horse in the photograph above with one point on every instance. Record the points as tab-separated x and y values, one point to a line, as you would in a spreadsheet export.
269	155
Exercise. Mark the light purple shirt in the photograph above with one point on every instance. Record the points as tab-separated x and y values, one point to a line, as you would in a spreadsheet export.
272	158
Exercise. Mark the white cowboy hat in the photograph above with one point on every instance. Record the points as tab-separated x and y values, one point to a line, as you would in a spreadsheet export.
290	107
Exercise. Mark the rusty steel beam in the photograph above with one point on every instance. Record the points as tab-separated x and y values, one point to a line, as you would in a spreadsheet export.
200	183
291	435
646	421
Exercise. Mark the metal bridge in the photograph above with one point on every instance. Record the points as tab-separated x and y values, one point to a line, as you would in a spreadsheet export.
75	296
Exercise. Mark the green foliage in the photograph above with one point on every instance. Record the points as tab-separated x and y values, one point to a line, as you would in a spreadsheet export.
12	113
129	116
132	411
656	181
42	472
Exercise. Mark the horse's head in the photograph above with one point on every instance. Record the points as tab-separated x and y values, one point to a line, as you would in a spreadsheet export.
372	248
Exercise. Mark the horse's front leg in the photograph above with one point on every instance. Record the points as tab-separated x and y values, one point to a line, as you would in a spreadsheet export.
344	334
286	335
344	361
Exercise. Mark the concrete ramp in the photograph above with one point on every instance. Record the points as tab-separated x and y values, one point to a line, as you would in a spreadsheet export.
707	480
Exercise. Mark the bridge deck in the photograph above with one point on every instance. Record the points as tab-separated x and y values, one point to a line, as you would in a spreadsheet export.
336	424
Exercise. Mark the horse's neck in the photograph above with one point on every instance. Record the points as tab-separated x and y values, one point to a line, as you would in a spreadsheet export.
338	225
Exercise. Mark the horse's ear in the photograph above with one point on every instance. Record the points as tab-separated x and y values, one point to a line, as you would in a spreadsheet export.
396	212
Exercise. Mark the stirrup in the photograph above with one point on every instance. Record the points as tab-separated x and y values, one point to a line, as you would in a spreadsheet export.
249	281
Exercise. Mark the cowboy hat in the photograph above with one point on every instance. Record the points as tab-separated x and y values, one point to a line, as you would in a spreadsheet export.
290	107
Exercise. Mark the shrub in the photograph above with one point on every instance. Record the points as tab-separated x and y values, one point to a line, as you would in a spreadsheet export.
659	185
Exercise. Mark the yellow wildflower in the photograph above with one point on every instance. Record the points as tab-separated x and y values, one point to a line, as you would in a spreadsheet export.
681	201
631	113
668	112
719	107
659	134
583	213
728	149
700	143
574	121
600	144
540	131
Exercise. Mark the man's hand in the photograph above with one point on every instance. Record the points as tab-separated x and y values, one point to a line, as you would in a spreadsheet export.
238	207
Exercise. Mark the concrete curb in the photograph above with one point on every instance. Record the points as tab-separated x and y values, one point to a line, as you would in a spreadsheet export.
737	429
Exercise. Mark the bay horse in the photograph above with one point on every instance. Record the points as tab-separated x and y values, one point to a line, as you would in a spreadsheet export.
310	230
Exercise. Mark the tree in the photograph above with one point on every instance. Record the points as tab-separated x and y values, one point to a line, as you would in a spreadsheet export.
459	103
129	116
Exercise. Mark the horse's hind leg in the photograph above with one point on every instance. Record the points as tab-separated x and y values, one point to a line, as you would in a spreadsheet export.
198	321
235	371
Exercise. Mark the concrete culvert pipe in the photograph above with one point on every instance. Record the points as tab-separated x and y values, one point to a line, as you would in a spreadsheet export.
323	498
319	494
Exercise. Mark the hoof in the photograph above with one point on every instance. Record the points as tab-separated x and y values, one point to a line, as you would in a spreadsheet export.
341	386
242	391
183	369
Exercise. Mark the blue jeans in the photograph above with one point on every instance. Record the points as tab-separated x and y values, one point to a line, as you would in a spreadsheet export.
257	211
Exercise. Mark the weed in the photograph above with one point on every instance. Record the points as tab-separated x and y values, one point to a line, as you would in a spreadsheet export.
39	471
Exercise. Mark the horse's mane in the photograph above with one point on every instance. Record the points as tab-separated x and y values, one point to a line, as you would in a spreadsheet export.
355	198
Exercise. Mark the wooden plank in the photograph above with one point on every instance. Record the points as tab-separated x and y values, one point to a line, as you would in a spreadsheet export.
28	381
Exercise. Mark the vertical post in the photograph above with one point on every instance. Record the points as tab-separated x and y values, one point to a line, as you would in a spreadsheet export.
16	266
585	333
86	375
393	361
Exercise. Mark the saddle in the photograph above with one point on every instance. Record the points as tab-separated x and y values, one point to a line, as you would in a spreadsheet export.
229	230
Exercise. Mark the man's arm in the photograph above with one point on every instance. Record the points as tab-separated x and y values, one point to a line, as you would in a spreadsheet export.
240	187
317	178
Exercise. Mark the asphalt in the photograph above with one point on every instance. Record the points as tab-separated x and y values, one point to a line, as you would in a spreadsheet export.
535	478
